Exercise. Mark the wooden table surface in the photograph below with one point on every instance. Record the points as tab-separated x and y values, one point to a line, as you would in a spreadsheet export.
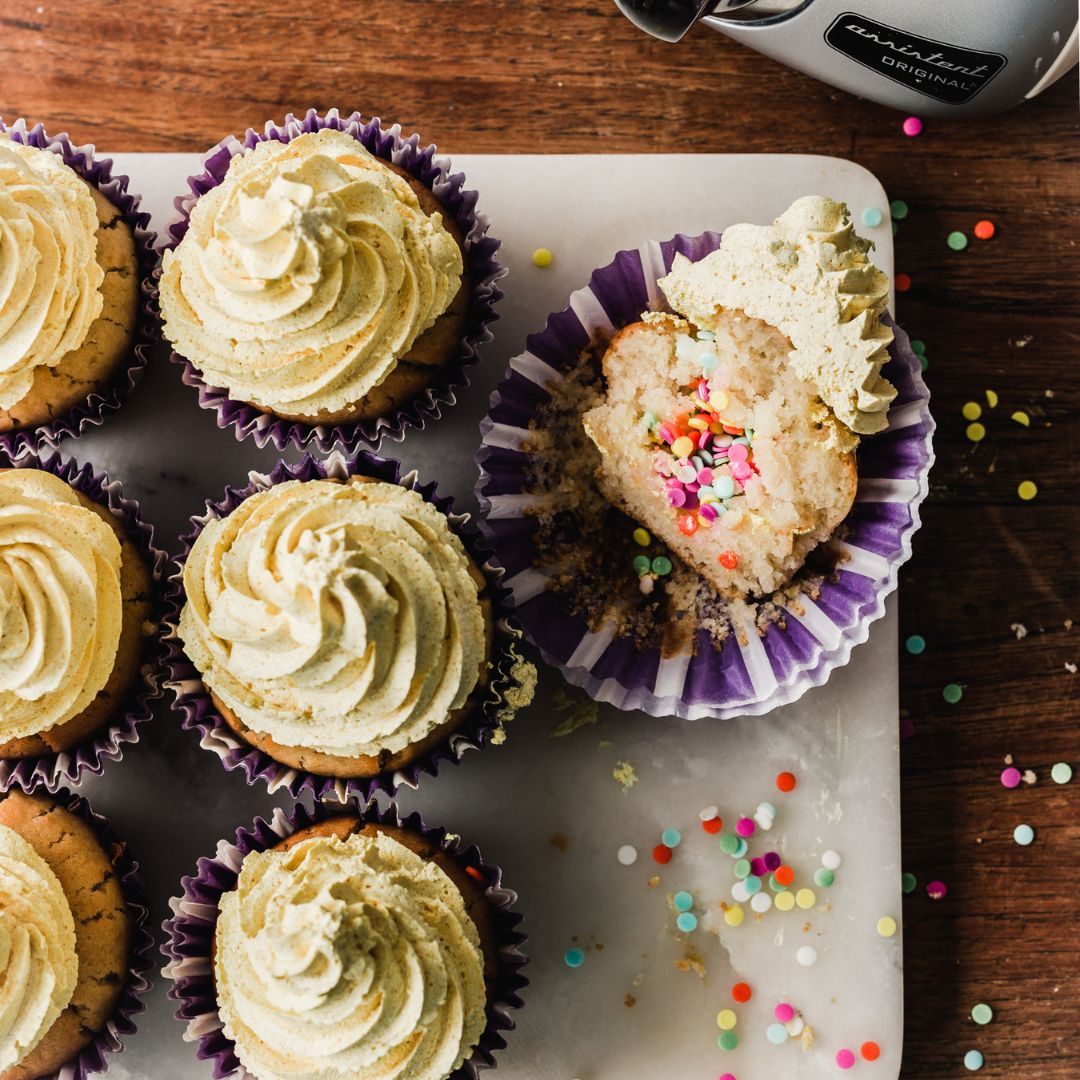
570	75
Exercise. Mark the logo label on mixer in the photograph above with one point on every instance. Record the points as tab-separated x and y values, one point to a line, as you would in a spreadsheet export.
946	72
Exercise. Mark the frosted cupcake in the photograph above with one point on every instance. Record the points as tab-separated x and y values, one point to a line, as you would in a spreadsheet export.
69	287
75	600
68	936
317	282
354	949
341	627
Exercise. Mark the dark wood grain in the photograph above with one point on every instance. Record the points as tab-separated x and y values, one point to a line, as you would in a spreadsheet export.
569	75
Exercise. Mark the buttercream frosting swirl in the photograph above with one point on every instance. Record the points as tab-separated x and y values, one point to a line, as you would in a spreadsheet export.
306	275
50	279
348	958
808	275
38	963
339	617
61	608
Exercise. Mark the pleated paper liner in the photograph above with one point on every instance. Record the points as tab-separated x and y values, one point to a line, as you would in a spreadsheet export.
750	674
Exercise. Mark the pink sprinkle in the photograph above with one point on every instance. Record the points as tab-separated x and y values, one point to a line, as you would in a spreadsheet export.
745	827
676	496
772	861
703	390
907	727
704	439
912	127
666	433
693	485
738	451
727	1076
1010	777
686	473
691	500
740	470
845	1059
705	476
784	1013
709	512
936	890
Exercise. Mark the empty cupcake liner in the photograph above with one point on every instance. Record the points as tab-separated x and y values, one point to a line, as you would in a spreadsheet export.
483	268
751	674
69	766
93	1058
190	931
107	399
510	677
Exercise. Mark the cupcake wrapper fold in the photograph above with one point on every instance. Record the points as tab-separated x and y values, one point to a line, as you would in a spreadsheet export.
751	674
483	268
190	931
109	398
93	1058
51	771
200	714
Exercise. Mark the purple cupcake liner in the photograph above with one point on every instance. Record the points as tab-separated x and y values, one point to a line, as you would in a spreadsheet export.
107	399
93	1058
190	931
751	674
68	766
481	264
199	713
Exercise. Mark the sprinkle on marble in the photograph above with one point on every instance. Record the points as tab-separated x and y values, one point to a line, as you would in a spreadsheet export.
784	1012
745	827
805	899
627	855
777	1034
726	1019
936	890
727	1040
845	1059
786	782
831	860
741	993
671	838
574	958
734	915
662	854
872	217
870	1050
806	956
687	922
823	878
886	926
784	901
542	258
683	901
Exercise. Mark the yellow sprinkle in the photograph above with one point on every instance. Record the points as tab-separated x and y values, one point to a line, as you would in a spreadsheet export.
972	410
719	400
1022	418
991	398
703	522
699	423
886	926
1027	491
642	537
716	429
726	1019
734	916
976	432
542	257
805	898
682	447
784	901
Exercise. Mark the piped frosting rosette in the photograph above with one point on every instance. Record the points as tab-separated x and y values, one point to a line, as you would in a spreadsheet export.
419	954
60	618
396	686
750	673
41	246
347	239
37	939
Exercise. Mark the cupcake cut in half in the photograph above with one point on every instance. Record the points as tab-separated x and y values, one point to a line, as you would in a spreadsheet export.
75	600
317	282
729	427
354	949
69	287
341	628
65	934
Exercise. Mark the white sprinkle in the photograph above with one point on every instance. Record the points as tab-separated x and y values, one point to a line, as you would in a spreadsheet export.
831	860
807	955
761	902
628	855
795	1027
739	893
710	813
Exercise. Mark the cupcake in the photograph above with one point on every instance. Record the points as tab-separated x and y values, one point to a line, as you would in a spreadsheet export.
345	941
69	287
70	938
340	625
75	604
322	280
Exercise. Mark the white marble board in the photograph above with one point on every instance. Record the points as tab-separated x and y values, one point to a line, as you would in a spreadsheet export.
172	800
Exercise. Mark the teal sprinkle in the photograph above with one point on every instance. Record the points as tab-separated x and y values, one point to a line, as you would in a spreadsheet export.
642	564
705	456
899	209
916	645
709	361
704	490
741	439
574	958
973	1061
661	565
742	868
776	1034
872	217
824	878
696	460
908	883
671	838
742	849
1023	835
683	901
687	922
753	884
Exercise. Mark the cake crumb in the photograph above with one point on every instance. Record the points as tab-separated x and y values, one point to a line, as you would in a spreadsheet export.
629	1001
559	841
654	881
1070	668
578	711
691	962
1019	629
624	773
806	1040
1028	776
520	693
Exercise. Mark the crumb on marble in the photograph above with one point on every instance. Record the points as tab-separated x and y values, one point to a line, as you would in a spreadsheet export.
559	841
578	711
625	774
